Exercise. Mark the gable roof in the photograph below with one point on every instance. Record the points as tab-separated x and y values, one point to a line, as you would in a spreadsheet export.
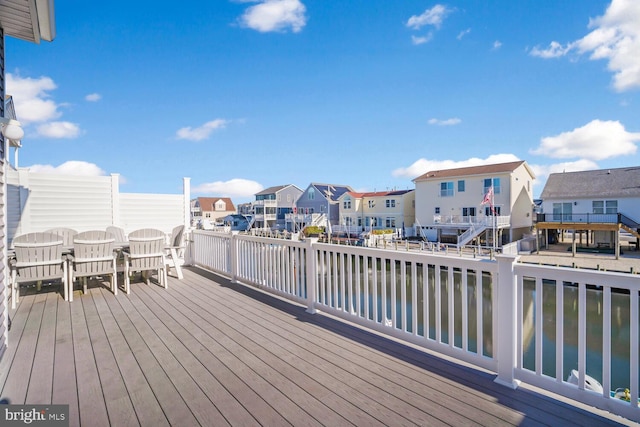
473	170
335	190
275	189
620	182
208	203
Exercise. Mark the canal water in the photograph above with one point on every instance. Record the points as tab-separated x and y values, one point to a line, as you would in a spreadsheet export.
620	332
385	300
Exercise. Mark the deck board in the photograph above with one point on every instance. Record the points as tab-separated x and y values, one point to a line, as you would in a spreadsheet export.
43	361
209	352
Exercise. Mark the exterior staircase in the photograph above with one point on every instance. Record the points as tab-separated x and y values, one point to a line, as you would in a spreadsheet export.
471	233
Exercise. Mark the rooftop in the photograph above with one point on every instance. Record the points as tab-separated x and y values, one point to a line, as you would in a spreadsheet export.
209	352
472	170
618	182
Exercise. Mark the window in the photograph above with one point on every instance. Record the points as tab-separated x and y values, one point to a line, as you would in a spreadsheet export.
288	197
220	205
597	206
437	212
461	186
359	222
469	211
347	203
391	203
311	194
372	204
488	182
446	189
496	211
611	207
390	222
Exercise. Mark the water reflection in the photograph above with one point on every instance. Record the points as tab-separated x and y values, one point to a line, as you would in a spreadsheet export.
381	287
620	331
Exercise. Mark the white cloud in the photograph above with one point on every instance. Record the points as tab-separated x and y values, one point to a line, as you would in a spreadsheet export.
446	122
59	130
543	171
497	45
555	50
202	132
433	16
72	167
236	187
275	15
422	166
615	38
31	98
421	40
596	140
463	33
93	97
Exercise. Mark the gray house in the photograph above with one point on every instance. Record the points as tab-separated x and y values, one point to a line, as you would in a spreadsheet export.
314	203
273	203
599	203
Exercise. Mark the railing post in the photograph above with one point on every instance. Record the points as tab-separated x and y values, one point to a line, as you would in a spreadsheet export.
507	320
233	255
311	276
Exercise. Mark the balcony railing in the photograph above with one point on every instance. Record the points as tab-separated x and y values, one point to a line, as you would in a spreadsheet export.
494	314
587	218
461	220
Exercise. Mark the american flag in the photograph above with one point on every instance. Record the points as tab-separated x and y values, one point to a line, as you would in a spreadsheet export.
488	199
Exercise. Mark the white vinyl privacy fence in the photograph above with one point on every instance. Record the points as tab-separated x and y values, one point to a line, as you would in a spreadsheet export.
525	323
40	201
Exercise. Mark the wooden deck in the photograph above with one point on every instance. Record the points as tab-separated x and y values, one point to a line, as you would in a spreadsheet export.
208	352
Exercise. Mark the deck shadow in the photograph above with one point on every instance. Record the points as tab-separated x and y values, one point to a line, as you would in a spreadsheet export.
536	407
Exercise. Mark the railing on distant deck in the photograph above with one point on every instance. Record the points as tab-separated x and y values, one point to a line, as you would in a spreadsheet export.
467	308
585	218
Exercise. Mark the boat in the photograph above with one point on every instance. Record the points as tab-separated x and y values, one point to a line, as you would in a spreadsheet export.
592	384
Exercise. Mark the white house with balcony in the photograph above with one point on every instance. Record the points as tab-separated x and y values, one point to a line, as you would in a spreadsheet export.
378	210
450	208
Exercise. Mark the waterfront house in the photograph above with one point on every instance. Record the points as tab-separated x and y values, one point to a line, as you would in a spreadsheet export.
211	209
450	208
313	204
272	204
377	210
597	204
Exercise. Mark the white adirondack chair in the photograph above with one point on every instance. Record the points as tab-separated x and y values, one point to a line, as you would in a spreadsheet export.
38	257
118	233
93	256
67	234
145	255
174	255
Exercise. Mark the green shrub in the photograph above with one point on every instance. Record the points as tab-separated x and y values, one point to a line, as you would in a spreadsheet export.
312	230
386	231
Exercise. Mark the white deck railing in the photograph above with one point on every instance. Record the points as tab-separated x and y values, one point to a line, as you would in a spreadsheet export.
481	311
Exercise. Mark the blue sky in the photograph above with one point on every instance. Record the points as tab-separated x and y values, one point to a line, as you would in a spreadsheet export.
242	95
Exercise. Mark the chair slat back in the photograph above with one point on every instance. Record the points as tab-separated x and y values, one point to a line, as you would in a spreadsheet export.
177	235
118	233
146	247
93	253
67	234
38	256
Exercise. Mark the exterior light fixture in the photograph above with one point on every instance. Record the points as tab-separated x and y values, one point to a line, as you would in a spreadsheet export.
11	129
